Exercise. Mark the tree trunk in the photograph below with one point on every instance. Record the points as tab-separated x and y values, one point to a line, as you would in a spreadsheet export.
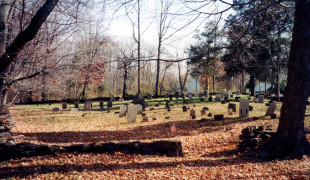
242	82
124	85
252	82
158	67
4	12
290	140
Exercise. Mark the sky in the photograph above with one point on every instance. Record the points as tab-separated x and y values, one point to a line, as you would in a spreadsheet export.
120	26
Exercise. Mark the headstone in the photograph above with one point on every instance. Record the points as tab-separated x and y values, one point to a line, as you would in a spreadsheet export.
112	98
190	95
205	93
251	108
149	97
184	108
271	109
122	110
229	93
203	112
166	95
200	95
230	112
110	104
232	106
76	104
170	96
218	98
202	99
244	108
55	109
247	91
74	109
192	113
177	95
260	98
219	117
237	93
140	96
132	113
64	105
101	104
210	98
87	105
139	109
182	95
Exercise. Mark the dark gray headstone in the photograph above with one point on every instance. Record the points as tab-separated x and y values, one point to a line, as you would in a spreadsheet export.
110	104
64	105
87	105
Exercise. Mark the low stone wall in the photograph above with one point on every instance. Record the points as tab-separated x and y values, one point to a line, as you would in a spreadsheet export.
253	137
26	149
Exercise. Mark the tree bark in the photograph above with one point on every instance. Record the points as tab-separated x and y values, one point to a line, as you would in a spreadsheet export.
125	79
290	140
252	82
9	55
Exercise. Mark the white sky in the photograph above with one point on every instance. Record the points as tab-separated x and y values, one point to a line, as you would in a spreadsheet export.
120	27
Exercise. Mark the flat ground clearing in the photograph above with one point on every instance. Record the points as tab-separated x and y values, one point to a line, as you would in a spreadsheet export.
209	147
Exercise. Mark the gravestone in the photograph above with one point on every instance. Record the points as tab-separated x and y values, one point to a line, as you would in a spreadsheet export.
140	96
87	105
122	110
210	98
219	117
184	108
218	98
203	112
145	118
132	113
230	112
139	109
177	95
190	95
192	113
205	93
237	93
112	98
182	95
200	95
74	109
170	96
110	104
64	105
260	98
247	91
101	104
244	108
232	106
202	99
149	97
76	104
229	93
166	95
271	109
55	109
167	105
251	108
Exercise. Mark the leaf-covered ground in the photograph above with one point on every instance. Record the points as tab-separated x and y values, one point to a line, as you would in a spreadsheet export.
210	150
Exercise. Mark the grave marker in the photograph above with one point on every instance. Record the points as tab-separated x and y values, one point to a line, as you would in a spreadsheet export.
132	113
64	105
139	108
87	105
122	110
110	104
260	98
218	98
192	113
271	109
244	108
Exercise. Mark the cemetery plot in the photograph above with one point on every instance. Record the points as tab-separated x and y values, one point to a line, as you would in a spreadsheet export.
208	146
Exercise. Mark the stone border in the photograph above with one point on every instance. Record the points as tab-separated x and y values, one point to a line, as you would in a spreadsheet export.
26	149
